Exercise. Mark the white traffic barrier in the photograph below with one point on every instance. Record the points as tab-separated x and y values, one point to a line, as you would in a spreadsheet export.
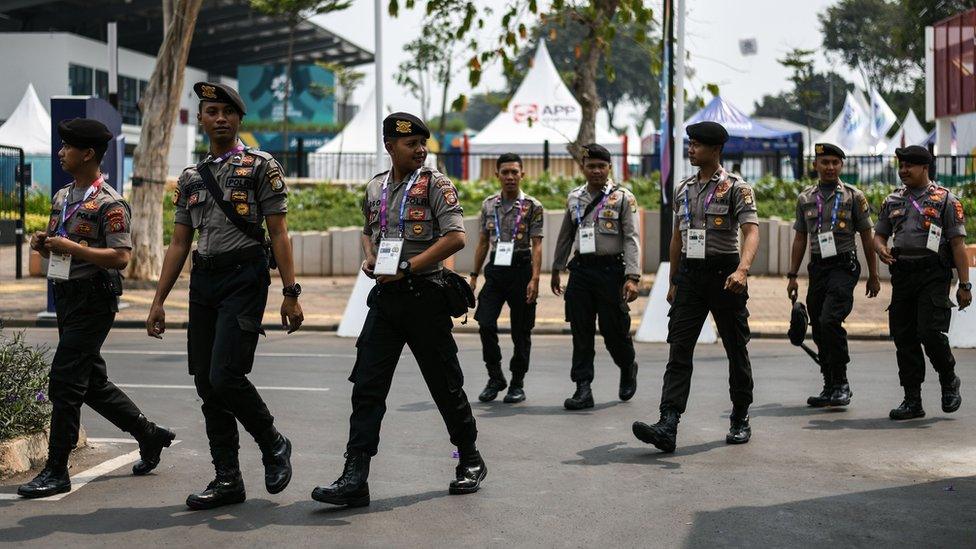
654	324
354	316
962	326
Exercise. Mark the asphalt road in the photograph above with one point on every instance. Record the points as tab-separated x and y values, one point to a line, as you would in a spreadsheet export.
808	478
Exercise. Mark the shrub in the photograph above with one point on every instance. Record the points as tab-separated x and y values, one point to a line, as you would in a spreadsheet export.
24	404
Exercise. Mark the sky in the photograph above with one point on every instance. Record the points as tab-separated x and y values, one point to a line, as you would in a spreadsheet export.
714	28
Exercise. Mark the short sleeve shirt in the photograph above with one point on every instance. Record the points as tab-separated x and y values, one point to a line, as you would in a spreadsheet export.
719	205
101	221
815	216
498	216
907	214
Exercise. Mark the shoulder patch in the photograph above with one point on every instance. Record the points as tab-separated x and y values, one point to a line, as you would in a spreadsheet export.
960	214
863	202
746	193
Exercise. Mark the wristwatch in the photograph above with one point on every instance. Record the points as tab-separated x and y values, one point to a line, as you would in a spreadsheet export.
474	274
635	278
791	275
966	286
405	267
294	290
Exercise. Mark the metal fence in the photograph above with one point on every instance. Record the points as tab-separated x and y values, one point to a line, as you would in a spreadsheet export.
12	206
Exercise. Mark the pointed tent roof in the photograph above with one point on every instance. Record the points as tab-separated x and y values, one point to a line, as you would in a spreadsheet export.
543	99
736	122
29	127
359	134
910	132
851	129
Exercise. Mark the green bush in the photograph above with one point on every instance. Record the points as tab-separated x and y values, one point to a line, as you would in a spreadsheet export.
24	405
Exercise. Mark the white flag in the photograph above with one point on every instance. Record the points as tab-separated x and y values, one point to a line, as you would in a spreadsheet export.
882	117
854	123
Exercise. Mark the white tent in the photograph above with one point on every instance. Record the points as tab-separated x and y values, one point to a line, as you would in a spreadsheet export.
542	109
851	130
910	132
29	127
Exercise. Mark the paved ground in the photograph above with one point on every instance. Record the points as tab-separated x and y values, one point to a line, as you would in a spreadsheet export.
808	478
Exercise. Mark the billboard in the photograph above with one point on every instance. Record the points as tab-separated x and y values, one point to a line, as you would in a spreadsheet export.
263	89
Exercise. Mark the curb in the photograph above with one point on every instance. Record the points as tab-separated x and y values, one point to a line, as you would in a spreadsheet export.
26	452
469	328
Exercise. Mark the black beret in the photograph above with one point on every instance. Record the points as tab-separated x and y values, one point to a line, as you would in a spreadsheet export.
84	133
402	124
708	133
219	93
596	152
798	323
914	154
828	149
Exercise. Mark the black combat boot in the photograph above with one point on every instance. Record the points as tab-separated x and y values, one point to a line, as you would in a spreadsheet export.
351	489
469	473
52	480
227	488
276	457
516	393
628	382
823	399
496	382
663	434
582	398
152	439
739	431
911	407
841	395
950	395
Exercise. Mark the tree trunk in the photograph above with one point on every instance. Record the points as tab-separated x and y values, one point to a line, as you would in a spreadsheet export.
284	122
443	122
584	81
150	162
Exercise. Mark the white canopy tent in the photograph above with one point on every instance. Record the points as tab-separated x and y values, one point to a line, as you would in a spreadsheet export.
542	109
29	127
910	132
851	130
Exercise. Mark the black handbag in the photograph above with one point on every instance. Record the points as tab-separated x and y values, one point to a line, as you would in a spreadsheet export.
459	295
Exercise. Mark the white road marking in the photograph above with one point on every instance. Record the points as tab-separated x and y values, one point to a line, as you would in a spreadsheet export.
150	386
83	478
183	353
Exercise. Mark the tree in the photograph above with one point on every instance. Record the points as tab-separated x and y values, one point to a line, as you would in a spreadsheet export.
599	19
159	106
294	12
822	111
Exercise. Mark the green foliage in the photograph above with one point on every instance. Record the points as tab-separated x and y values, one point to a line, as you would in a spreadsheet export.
818	110
24	404
295	11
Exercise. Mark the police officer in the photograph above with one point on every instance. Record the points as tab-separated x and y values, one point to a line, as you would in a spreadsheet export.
511	227
829	214
601	230
87	243
708	275
928	228
233	190
412	222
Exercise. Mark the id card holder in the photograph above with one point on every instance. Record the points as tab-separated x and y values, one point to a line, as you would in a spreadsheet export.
695	249
935	238
59	266
388	256
587	240
828	247
503	254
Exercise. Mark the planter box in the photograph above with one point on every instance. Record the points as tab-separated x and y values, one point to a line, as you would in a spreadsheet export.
27	452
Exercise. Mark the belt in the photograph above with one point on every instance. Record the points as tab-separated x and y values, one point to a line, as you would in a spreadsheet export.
719	261
409	283
98	281
916	264
228	260
841	258
593	260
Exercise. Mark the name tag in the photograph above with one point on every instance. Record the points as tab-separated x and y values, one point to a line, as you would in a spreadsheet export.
388	256
935	238
587	240
503	254
695	248
59	266
828	247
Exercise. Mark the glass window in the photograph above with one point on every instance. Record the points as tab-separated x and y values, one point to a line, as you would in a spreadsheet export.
79	80
130	92
101	84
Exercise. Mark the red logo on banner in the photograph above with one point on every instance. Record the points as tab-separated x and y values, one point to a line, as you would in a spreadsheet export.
523	112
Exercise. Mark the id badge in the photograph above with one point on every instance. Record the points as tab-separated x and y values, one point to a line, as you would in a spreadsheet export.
503	254
828	247
59	267
935	238
388	256
587	240
695	248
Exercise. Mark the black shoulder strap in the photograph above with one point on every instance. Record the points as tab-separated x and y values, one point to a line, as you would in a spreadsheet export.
592	205
252	230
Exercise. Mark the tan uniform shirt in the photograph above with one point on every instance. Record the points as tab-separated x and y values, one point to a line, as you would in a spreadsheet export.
431	210
732	204
251	181
617	229
910	228
853	215
530	225
102	221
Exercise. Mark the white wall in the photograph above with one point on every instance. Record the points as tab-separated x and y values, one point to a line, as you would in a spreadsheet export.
43	59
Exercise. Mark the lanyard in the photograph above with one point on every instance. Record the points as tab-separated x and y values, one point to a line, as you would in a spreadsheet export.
607	191
518	216
915	203
236	150
403	202
833	216
708	200
65	216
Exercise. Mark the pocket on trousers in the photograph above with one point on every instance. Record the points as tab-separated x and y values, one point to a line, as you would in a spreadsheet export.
247	342
941	312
